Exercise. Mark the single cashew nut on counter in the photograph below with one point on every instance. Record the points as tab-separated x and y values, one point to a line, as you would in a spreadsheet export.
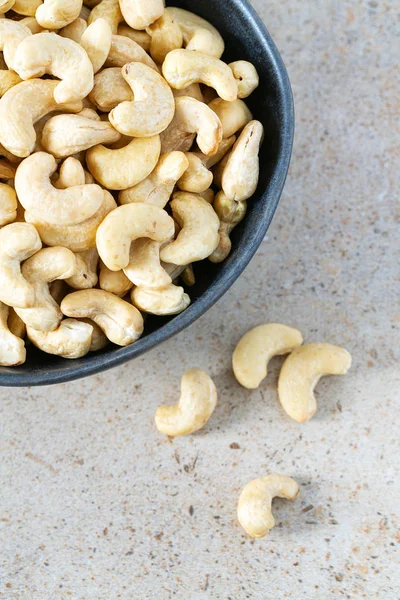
120	321
140	37
55	14
72	339
124	167
126	224
12	34
41	199
96	40
198	236
124	50
153	106
166	35
159	185
170	300
241	173
255	502
12	347
233	115
197	178
8	204
48	53
115	282
44	267
144	268
181	68
27	7
110	89
198	34
139	14
85	276
18	242
196	405
246	76
108	10
301	372
257	347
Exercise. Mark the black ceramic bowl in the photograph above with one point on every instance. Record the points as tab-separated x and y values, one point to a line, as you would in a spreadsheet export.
246	38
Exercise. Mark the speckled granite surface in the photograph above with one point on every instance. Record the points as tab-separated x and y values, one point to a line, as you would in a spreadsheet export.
96	505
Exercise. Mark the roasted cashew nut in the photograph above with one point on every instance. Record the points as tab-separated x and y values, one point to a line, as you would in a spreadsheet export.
110	89
12	34
255	501
233	115
124	50
126	224
8	204
166	35
170	300
198	236
12	347
139	14
144	268
196	405
153	106
18	242
256	348
108	10
246	76
301	372
72	339
184	67
55	14
120	321
230	213
85	276
140	37
197	178
115	282
96	40
198	34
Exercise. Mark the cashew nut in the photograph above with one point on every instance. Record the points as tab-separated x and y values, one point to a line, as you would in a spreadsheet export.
110	88
115	282
125	167
70	170
124	50
140	37
6	5
223	148
64	135
7	80
74	30
301	372
153	106
31	24
233	115
27	7
8	204
126	224
99	339
39	270
196	405
12	34
120	321
192	117
96	40
184	67
166	35
198	34
159	185
139	14
230	213
72	339
197	178
257	347
241	173
55	14
255	502
193	91
144	268
108	10
12	348
246	76
85	276
170	300
198	236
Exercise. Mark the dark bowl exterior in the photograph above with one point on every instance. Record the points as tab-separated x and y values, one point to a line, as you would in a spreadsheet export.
272	104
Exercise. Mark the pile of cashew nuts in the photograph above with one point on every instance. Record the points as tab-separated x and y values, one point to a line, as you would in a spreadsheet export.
128	154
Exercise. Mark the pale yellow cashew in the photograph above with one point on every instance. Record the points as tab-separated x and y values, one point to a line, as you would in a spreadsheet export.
27	7
8	204
110	89
31	24
166	35
233	115
124	50
196	405
152	108
96	40
6	5
99	339
18	242
198	34
12	34
16	325
74	30
126	224
125	167
115	282
120	321
140	37
230	213
108	10
255	502
40	198
159	185
256	348
55	14
170	300
139	14
246	76
301	372
12	348
223	148
197	178
184	67
241	173
70	170
144	268
198	236
64	135
72	339
219	170
208	195
192	117
7	80
85	276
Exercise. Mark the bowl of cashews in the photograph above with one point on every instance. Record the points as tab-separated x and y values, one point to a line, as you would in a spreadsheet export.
131	196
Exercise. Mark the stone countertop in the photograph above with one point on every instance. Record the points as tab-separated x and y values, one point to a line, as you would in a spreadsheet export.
96	504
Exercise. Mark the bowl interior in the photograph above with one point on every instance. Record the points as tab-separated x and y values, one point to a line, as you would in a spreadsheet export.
245	38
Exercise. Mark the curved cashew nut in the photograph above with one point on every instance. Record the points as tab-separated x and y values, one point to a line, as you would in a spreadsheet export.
124	50
39	270
72	339
12	34
196	405
241	173
12	348
6	5
110	89
246	76
153	106
184	67
170	300
108	10
55	14
39	197
198	34
120	321
8	204
125	167
233	115
257	347
159	185
197	178
27	7
48	53
18	242
85	276
230	213
126	224
192	117
301	372
166	35
115	282
144	268
96	40
139	14
7	80
255	501
199	224
64	135
74	30
140	37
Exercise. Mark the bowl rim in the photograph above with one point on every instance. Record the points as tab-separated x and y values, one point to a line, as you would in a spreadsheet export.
233	271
